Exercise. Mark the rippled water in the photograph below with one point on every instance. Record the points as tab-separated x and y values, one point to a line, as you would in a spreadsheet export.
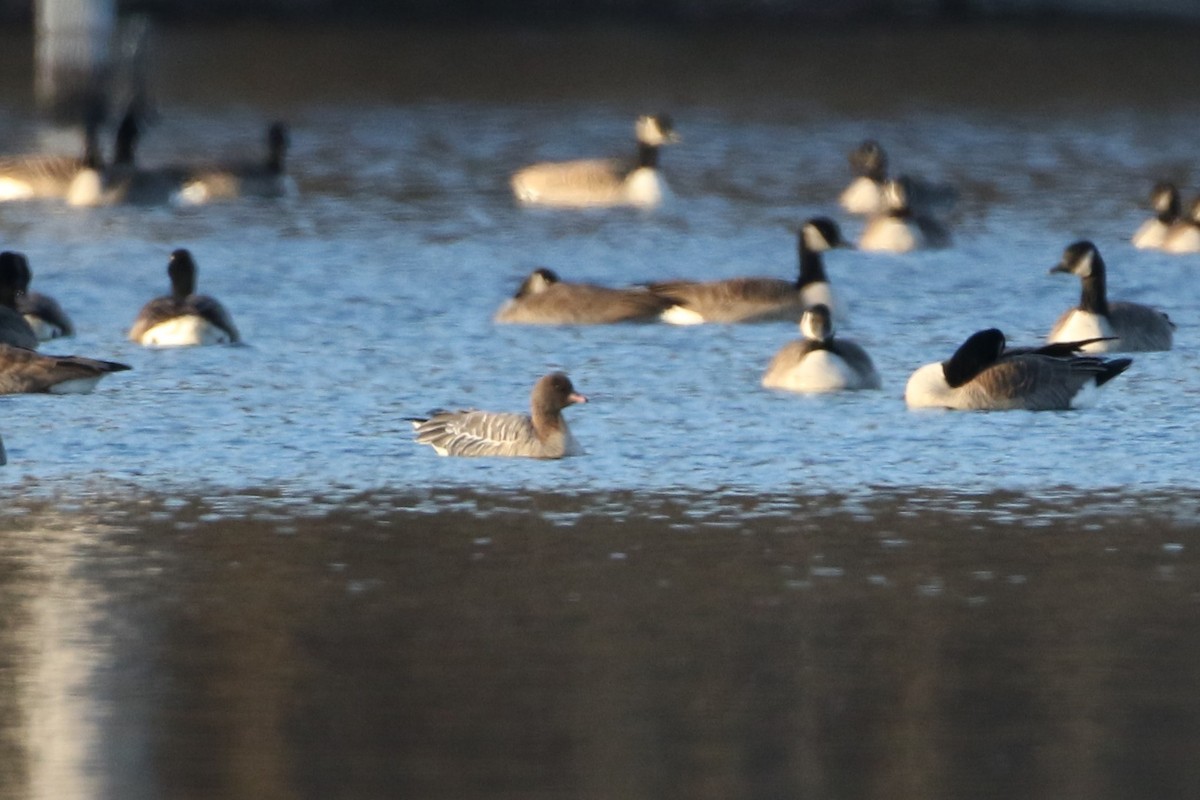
230	573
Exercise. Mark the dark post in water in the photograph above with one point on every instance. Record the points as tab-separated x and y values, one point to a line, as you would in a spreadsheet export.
73	46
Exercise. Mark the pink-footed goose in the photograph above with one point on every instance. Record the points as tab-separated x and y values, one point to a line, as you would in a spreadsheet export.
985	375
544	299
543	433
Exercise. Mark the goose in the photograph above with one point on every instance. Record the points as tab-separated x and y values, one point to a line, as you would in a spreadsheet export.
183	318
23	371
264	178
3	455
43	313
47	176
544	299
124	182
898	229
14	328
1184	235
1164	199
758	299
819	362
602	182
983	375
866	194
1114	326
542	433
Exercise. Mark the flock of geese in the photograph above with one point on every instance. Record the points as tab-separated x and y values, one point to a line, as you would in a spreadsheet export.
984	373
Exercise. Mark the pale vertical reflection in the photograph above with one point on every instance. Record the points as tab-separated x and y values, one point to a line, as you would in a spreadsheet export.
77	746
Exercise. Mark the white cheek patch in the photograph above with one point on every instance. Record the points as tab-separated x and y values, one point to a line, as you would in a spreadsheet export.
1083	267
813	240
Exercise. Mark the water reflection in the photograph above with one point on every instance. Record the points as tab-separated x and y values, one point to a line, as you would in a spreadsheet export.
600	646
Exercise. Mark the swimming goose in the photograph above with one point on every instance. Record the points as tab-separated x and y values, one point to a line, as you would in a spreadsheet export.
543	299
983	375
1184	235
542	433
602	182
14	328
264	178
758	299
1124	327
23	371
866	194
124	181
1164	199
183	318
819	362
45	176
898	229
43	313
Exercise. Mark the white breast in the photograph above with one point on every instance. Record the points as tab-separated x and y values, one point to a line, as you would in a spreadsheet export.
646	187
1183	240
13	189
1085	325
927	388
1151	235
819	371
822	293
184	331
862	196
891	235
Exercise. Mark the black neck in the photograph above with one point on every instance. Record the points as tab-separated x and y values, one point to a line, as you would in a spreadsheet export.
8	297
1167	216
812	267
647	155
1095	295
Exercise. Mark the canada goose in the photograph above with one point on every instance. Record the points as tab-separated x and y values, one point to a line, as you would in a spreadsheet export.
984	376
43	313
45	176
819	362
1124	327
1164	199
898	229
265	178
183	318
23	371
758	299
866	194
544	299
1184	235
14	328
124	181
602	182
542	433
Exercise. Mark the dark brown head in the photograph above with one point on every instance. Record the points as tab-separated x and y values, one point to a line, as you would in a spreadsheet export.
554	392
277	146
182	271
14	278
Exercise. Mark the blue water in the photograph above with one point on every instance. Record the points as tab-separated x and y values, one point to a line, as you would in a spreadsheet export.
368	298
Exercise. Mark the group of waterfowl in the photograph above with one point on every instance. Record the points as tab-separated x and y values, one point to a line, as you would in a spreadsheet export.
89	180
984	373
1169	230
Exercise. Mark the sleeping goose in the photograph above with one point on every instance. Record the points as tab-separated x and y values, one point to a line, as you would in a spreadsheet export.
1164	199
758	299
123	181
983	375
14	328
819	362
899	229
183	318
46	176
866	194
602	182
1184	235
542	433
263	178
1116	327
23	371
43	313
543	299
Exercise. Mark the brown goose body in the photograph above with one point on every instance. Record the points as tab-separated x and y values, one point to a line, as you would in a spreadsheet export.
545	300
24	371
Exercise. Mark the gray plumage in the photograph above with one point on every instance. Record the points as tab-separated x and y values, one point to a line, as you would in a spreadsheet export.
24	371
45	316
757	299
543	299
983	375
1129	327
47	176
542	433
182	302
